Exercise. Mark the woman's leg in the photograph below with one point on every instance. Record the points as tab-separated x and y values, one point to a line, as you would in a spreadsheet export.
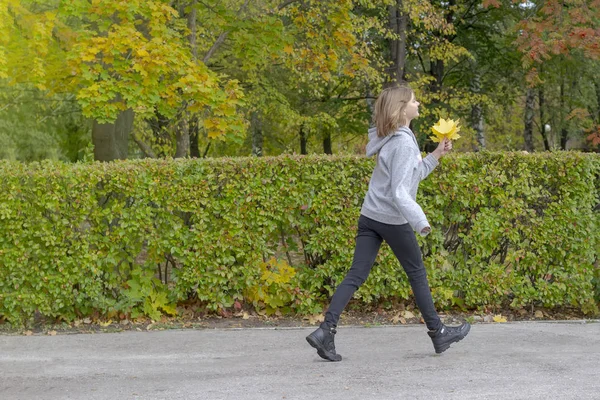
367	246
368	242
403	242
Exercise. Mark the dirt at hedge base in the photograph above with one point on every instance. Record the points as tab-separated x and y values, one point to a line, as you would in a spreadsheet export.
249	319
387	317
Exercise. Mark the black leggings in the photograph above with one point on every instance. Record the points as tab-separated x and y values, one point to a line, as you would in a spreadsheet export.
403	243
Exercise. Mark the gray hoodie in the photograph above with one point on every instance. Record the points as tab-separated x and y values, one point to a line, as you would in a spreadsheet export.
391	198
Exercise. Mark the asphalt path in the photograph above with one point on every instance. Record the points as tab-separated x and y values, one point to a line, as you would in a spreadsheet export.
526	360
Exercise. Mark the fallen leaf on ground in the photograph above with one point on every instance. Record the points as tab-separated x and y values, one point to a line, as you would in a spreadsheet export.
499	318
52	333
313	319
27	333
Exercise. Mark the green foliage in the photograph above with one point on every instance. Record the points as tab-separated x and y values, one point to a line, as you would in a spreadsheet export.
115	56
305	71
141	236
34	126
517	227
145	294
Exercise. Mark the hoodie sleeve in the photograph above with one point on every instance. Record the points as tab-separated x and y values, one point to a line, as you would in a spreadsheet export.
405	163
427	165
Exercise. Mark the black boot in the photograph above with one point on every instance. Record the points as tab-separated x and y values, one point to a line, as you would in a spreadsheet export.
322	340
446	335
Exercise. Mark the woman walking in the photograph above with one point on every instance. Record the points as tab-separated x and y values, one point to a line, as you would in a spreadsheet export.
390	212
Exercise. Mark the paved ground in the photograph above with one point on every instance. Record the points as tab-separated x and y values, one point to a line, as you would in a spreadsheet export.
496	361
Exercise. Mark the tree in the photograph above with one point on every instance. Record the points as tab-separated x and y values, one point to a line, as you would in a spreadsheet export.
304	68
440	60
122	58
562	30
34	126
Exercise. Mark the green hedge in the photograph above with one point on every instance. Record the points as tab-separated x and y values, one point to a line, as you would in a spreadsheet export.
141	237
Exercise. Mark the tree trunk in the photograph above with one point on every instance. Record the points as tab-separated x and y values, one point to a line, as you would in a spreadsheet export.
477	112
182	137
111	141
398	25
477	117
370	102
191	22
543	119
257	135
437	66
160	129
193	119
529	113
563	129
597	86
303	141
564	136
327	143
194	131
437	71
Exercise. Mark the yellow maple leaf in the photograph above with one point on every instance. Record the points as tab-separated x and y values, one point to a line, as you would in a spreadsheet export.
445	129
288	49
314	319
214	133
499	318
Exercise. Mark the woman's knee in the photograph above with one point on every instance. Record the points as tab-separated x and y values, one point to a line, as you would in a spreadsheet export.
416	273
354	280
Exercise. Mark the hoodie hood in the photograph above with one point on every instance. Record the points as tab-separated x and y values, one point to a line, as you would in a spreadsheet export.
376	143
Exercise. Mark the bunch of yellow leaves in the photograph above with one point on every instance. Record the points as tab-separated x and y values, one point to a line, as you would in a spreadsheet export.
445	129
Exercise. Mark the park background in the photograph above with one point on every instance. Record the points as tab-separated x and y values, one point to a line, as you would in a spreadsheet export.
178	88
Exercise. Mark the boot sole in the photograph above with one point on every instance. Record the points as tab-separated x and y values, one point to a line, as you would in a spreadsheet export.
324	354
444	347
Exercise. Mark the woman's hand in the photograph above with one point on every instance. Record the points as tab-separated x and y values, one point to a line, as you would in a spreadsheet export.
425	230
443	148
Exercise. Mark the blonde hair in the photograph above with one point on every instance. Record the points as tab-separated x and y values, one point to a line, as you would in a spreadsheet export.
389	109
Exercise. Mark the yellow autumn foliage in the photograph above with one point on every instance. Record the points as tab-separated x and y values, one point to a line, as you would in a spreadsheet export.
445	129
273	290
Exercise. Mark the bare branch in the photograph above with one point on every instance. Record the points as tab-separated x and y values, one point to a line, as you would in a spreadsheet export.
208	6
206	150
222	37
215	46
285	4
146	149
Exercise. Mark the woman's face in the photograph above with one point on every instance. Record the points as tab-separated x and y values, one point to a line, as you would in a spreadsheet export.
412	109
